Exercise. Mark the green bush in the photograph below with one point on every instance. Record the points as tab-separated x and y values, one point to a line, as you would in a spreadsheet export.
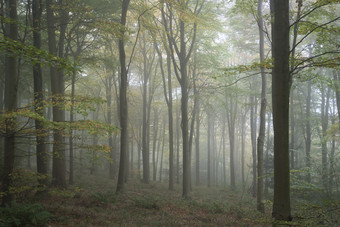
25	183
24	215
147	203
105	197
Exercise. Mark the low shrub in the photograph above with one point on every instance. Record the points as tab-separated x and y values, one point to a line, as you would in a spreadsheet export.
24	215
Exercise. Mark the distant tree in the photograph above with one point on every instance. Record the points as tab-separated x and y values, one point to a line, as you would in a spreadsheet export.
181	48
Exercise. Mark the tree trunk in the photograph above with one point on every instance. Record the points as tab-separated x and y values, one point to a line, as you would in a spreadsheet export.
197	137
209	149
253	126
123	102
71	174
231	117
57	87
41	150
224	151
155	134
261	137
280	97
11	92
325	95
308	130
336	77
292	132
243	151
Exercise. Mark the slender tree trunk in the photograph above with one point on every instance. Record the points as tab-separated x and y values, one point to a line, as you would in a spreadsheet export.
332	155
163	143
168	99
155	134
123	102
224	151
253	126
231	116
178	146
336	77
268	147
145	139
325	95
197	138
243	151
280	96
292	132
71	174
261	137
11	92
209	149
308	130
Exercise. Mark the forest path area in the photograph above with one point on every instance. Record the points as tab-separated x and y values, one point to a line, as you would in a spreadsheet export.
150	205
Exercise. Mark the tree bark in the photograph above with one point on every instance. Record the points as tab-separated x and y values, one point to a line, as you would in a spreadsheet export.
155	134
261	137
308	130
325	95
41	150
280	97
231	117
11	92
209	149
57	87
336	77
123	101
253	126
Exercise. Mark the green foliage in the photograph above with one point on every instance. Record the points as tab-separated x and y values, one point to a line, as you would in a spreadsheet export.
147	203
35	55
299	186
69	193
25	184
105	197
238	211
211	206
324	214
24	215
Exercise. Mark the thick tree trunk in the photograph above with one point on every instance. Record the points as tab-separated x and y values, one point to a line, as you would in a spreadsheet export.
123	102
280	97
41	149
11	91
57	87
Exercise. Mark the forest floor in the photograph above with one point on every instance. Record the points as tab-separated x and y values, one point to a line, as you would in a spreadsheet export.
92	202
150	205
